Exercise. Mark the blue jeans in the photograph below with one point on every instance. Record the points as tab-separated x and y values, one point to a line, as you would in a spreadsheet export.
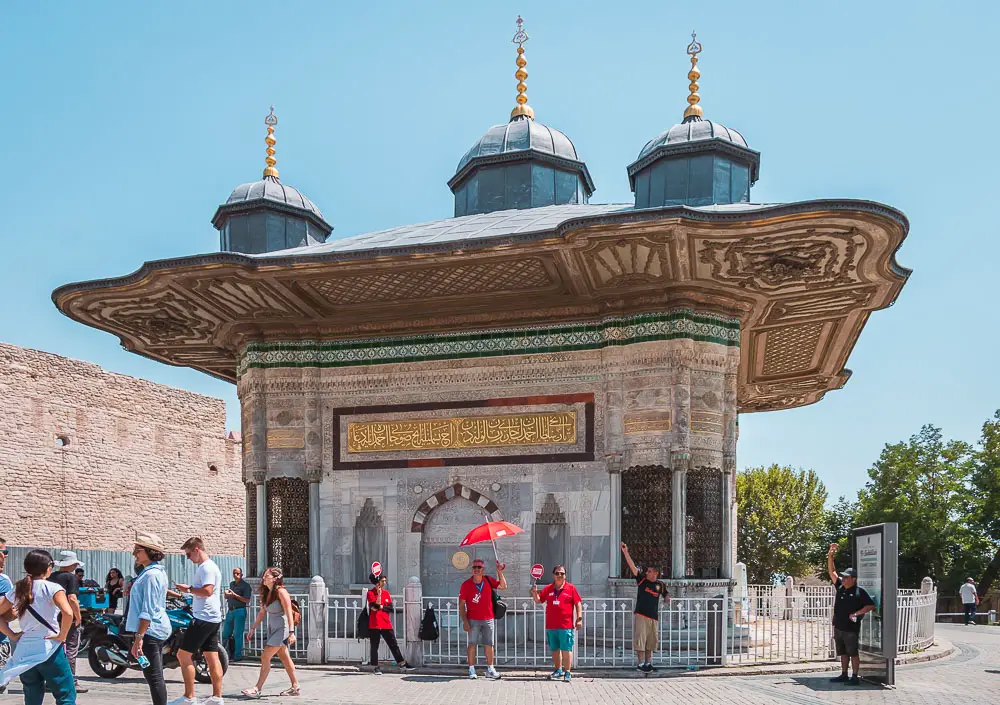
234	627
57	674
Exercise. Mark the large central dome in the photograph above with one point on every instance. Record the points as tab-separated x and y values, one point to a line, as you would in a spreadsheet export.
522	164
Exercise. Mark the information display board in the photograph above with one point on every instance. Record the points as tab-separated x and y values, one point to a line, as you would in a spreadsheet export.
875	550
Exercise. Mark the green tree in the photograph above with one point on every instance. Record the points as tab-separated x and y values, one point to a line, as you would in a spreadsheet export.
836	526
985	498
780	514
923	485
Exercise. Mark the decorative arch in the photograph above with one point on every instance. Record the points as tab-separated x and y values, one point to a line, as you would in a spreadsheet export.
448	494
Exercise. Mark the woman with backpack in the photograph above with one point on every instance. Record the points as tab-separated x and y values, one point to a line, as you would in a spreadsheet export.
40	659
281	613
380	623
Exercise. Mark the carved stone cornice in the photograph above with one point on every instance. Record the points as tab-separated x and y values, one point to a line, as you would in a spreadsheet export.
801	278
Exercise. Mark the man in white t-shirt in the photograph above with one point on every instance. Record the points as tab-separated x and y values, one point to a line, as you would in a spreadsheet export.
970	600
203	634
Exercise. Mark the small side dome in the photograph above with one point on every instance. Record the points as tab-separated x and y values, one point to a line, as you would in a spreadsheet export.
271	189
695	163
693	131
267	215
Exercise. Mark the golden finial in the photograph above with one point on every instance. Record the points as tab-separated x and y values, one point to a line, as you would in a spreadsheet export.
693	111
522	109
271	120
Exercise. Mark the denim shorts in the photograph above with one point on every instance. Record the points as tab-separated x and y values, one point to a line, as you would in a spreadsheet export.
560	639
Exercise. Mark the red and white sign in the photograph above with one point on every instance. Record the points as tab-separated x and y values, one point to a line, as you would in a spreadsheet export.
537	571
376	569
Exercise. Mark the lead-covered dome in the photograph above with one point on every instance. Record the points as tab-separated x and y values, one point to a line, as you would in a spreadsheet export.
271	189
695	163
267	215
519	136
522	164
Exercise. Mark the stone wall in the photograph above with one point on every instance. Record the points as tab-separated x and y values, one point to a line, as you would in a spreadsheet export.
88	457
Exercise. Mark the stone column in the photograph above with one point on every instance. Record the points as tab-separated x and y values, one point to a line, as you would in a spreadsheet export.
261	479
615	476
678	538
728	465
413	614
314	524
316	627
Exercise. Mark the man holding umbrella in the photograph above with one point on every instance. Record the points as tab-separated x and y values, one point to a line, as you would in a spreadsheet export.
475	606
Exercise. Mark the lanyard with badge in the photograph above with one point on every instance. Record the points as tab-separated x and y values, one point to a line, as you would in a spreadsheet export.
556	594
479	588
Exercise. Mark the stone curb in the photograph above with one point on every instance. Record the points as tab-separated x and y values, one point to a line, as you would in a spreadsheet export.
942	648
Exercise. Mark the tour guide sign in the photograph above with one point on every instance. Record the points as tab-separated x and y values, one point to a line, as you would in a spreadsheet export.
876	550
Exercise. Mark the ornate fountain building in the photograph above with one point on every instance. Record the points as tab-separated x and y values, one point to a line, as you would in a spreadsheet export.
575	368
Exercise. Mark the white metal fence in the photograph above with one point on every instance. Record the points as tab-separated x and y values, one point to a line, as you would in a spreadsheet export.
764	624
690	633
342	643
256	645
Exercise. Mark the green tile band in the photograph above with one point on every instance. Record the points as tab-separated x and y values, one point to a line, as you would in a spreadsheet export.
605	332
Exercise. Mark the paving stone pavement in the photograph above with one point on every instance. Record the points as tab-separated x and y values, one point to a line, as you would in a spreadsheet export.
970	677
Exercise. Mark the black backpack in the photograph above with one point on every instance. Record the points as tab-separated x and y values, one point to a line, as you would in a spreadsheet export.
499	606
361	630
429	626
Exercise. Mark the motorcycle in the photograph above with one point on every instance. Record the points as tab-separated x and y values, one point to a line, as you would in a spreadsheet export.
109	655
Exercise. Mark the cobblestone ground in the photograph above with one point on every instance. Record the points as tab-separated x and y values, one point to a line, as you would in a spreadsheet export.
970	677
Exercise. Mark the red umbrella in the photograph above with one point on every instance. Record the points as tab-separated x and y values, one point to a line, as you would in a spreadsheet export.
490	531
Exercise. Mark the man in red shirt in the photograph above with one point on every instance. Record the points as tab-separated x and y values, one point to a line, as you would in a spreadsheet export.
563	615
475	606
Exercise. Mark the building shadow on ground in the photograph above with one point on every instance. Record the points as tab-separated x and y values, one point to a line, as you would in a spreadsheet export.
824	684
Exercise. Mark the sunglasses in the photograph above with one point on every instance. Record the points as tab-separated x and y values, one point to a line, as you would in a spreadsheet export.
4	551
477	567
558	574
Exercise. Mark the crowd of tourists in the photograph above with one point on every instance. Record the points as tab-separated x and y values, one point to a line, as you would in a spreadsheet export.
46	606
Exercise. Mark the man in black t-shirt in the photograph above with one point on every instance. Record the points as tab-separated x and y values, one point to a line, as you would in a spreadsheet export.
647	611
64	576
850	604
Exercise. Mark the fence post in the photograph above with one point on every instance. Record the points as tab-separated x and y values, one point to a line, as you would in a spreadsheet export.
413	599
789	597
926	585
316	624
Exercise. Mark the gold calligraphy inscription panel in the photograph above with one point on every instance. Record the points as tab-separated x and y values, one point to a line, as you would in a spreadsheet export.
647	422
286	438
539	429
706	422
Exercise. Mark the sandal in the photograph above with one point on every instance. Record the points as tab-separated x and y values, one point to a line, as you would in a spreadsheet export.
251	692
292	691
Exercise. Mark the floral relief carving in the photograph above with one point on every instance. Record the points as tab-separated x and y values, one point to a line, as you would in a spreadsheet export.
812	259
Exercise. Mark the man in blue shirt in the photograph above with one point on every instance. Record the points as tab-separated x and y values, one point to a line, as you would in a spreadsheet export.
147	612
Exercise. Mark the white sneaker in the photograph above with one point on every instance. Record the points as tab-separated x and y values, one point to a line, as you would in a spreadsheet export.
492	673
472	673
185	701
214	700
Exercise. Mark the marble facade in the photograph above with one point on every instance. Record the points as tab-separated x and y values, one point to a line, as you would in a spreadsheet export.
669	403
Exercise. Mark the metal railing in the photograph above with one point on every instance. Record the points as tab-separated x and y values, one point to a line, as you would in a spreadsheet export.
342	643
769	624
298	650
915	616
690	633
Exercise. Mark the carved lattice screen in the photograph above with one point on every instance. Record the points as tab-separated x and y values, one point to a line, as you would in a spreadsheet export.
252	529
288	526
704	522
646	514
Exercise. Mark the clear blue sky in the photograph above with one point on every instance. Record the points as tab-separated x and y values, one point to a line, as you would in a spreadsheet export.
126	124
